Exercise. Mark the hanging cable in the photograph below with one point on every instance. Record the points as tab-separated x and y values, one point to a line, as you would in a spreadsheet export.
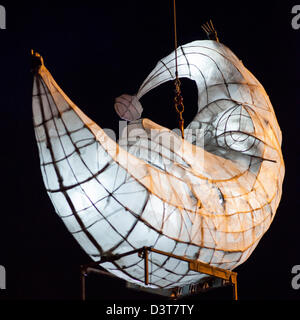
178	100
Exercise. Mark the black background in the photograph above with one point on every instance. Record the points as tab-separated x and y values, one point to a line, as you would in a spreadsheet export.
96	52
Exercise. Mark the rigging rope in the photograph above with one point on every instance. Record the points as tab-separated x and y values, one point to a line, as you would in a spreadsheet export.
178	100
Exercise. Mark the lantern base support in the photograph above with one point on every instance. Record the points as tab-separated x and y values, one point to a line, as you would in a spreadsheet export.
202	286
216	277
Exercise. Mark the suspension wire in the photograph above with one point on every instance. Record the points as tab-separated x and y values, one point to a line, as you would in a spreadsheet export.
175	38
178	100
151	267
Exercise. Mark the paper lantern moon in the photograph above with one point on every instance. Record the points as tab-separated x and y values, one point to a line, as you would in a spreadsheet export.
114	199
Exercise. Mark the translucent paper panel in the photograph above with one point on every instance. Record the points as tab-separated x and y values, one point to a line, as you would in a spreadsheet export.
210	197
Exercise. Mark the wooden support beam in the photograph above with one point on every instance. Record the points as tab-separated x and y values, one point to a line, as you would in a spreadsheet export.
213	271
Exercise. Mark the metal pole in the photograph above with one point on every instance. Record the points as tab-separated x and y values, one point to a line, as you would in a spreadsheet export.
83	274
98	271
146	266
235	293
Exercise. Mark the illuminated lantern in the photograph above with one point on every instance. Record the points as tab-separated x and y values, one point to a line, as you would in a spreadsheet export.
208	199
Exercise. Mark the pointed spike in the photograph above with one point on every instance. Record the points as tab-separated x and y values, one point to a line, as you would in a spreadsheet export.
205	28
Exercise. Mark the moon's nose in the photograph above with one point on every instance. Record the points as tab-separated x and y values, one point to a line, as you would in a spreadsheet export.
128	107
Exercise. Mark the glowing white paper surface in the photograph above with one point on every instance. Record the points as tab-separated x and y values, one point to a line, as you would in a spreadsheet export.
210	199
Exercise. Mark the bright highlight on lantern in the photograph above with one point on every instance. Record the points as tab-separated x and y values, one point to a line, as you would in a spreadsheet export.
208	198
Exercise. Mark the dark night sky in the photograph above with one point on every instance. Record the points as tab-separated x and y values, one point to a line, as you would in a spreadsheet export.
96	52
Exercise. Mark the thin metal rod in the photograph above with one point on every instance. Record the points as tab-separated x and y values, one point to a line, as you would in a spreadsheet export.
98	271
146	268
175	38
178	98
83	297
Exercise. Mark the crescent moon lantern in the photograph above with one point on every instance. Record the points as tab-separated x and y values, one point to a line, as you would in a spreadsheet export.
210	201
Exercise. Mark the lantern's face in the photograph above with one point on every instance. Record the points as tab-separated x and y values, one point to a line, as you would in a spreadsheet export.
209	197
